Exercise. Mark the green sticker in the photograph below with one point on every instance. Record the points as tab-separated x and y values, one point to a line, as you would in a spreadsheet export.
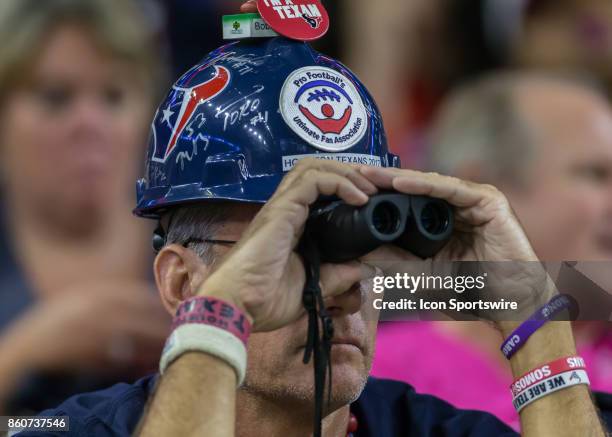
246	26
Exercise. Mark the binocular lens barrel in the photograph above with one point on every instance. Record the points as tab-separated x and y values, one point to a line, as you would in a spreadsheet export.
386	218
419	224
434	218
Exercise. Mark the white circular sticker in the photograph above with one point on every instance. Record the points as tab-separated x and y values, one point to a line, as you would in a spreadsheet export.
324	108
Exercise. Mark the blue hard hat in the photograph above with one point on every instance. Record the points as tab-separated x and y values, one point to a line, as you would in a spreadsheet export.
237	122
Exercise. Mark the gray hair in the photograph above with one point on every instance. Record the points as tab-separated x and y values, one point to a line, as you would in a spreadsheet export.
197	221
480	123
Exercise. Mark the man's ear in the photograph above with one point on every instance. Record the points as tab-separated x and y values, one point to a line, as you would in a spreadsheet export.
179	272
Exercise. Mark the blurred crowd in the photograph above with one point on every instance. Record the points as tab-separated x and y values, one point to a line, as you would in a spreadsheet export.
514	93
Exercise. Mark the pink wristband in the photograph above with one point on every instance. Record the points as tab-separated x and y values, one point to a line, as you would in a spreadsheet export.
204	310
545	371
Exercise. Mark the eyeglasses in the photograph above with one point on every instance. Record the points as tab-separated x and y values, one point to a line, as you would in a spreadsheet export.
209	241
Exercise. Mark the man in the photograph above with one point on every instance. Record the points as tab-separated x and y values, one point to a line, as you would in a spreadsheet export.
221	147
546	143
552	157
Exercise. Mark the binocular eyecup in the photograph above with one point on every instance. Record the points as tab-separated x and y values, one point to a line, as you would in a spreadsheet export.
419	224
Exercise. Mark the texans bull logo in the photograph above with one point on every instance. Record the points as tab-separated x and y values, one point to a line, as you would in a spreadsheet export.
314	22
330	96
190	99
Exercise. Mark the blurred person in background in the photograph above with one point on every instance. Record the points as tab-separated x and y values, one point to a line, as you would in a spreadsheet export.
395	49
418	51
78	81
563	35
546	142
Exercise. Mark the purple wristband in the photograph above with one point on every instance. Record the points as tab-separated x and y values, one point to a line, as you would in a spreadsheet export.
519	337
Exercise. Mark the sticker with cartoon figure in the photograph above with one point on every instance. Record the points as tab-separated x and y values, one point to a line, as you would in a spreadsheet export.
324	108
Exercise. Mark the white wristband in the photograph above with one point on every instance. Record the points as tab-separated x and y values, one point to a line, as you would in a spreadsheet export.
548	386
207	339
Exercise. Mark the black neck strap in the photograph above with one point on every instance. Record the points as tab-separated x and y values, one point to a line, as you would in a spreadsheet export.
317	344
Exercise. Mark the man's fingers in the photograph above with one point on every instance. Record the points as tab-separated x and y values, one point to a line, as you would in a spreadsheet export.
381	177
313	183
455	191
349	172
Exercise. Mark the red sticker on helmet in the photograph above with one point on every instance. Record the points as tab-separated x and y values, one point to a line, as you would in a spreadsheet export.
304	20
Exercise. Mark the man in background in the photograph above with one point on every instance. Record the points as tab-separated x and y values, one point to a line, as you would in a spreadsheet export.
546	142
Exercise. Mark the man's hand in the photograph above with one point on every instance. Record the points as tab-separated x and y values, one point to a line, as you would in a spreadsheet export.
263	274
486	228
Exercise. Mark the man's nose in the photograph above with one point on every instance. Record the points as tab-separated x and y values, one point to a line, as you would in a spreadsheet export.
340	284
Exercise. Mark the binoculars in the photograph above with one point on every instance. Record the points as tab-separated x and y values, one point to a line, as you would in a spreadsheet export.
419	224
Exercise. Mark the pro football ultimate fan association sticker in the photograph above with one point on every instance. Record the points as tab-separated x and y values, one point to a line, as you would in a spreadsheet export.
324	108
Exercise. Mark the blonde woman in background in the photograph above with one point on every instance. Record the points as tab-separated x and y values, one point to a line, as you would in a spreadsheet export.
77	87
